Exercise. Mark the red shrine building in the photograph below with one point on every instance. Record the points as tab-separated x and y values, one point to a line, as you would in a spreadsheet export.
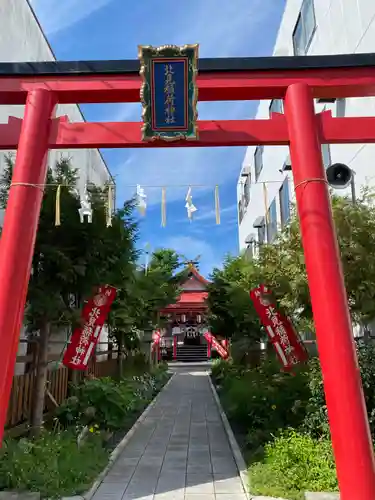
183	338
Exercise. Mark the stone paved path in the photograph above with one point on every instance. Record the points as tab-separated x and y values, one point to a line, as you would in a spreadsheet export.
180	451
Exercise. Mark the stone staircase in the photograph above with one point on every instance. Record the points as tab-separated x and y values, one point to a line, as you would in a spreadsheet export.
192	353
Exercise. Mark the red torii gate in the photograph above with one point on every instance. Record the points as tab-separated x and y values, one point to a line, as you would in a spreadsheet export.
297	80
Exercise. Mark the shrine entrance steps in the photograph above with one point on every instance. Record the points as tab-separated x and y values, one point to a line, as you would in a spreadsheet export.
180	451
192	353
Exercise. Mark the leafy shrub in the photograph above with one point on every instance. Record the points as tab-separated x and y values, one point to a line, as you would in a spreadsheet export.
366	358
53	464
264	400
316	420
109	404
292	464
138	361
160	375
220	370
101	401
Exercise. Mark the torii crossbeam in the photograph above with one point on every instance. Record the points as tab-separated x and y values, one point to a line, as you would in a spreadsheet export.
297	80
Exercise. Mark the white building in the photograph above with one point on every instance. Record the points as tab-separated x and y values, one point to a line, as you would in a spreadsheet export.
308	27
22	39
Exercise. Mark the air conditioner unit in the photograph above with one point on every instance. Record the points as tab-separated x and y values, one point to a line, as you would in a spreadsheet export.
259	222
287	167
326	100
246	171
250	239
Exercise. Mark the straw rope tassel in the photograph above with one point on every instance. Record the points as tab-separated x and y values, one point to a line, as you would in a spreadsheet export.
109	207
265	197
163	207
57	209
217	205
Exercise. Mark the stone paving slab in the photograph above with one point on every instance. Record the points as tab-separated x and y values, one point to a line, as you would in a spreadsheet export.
179	452
322	496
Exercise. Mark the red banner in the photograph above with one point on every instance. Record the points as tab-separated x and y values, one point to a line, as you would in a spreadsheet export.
156	336
281	332
216	344
84	338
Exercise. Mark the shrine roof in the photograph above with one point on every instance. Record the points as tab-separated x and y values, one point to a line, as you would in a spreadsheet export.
193	271
192	300
192	297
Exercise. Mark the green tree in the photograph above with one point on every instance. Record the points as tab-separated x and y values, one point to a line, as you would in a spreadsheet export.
145	292
282	264
69	261
231	312
159	285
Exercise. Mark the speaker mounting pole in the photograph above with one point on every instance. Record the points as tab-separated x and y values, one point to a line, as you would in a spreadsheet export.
352	189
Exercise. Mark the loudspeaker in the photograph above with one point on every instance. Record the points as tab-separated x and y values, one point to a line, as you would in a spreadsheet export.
339	175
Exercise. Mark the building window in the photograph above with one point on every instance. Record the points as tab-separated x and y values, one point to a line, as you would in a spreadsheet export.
240	211
326	154
246	190
261	232
304	29
272	222
258	161
276	106
284	197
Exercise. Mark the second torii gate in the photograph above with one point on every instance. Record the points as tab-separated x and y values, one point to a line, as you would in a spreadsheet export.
297	80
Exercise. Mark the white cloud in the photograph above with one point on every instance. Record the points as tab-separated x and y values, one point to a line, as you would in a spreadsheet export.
206	213
177	168
57	15
222	29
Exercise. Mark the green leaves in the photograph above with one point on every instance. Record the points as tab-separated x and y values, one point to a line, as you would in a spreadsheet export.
73	258
295	463
281	265
53	464
231	311
143	294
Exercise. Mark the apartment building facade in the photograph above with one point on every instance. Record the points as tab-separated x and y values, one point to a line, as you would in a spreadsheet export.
22	39
265	186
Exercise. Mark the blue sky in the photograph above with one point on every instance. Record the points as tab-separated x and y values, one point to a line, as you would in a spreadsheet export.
112	29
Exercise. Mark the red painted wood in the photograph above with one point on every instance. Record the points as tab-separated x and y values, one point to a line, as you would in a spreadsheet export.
350	130
128	134
212	133
19	232
342	380
228	86
192	297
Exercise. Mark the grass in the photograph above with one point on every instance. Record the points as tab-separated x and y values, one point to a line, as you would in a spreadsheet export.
292	464
53	464
267	411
